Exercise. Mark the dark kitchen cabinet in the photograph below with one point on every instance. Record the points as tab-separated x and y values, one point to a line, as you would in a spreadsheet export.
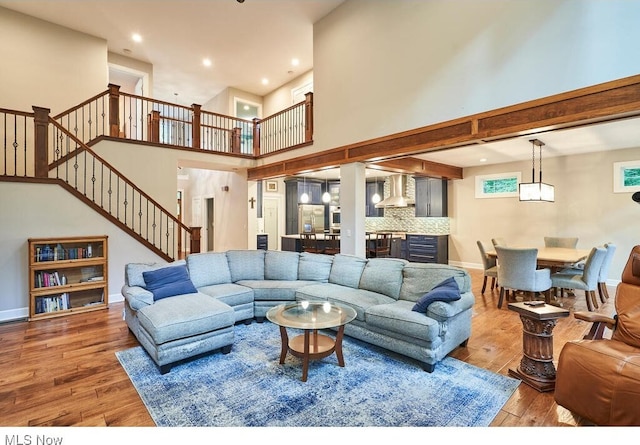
294	188
431	196
428	248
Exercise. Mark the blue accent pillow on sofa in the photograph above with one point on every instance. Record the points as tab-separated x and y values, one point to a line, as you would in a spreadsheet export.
448	290
168	282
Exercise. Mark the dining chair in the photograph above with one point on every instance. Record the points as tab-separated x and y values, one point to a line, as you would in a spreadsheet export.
381	246
556	241
310	244
498	242
332	244
490	268
517	271
586	281
578	269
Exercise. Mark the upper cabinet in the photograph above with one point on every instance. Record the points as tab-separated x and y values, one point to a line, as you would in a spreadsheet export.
431	196
296	187
333	187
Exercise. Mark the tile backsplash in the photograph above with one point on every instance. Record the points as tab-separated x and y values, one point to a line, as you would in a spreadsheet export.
404	219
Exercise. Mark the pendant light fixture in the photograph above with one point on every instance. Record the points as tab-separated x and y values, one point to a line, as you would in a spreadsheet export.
304	198
536	191
375	198
326	196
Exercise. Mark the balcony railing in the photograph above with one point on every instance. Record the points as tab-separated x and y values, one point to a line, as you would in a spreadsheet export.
127	116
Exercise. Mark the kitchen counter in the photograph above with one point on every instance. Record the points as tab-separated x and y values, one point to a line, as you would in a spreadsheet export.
322	236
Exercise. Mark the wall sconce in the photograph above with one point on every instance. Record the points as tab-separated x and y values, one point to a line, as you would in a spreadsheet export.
536	191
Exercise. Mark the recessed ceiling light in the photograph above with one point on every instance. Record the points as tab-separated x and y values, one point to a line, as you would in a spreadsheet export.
265	81
295	62
136	37
206	62
483	159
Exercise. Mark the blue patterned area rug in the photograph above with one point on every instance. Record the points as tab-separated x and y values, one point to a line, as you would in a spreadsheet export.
248	387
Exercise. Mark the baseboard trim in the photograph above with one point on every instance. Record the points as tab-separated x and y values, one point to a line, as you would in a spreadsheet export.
18	314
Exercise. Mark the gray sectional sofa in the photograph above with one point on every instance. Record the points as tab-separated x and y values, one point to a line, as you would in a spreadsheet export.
241	285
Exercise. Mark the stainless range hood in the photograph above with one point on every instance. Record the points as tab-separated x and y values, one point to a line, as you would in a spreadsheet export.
397	193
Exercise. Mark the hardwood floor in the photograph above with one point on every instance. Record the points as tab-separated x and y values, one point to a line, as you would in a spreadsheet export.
64	371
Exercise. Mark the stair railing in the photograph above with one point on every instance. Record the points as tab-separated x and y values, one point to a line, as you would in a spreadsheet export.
87	175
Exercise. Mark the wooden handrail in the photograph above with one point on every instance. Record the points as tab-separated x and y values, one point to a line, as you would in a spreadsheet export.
86	102
86	148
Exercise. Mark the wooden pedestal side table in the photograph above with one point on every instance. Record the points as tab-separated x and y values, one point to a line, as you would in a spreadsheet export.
310	316
536	367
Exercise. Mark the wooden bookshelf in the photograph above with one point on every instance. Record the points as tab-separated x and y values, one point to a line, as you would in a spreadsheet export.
67	275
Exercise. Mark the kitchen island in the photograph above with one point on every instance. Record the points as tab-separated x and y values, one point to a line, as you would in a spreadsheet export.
415	247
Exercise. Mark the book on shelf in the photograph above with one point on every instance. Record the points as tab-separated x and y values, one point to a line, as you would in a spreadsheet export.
53	303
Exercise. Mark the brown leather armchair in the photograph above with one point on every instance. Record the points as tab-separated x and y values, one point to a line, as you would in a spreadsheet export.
597	378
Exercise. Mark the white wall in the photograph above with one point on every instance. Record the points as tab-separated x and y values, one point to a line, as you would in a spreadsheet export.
45	210
585	207
47	65
231	207
381	67
281	98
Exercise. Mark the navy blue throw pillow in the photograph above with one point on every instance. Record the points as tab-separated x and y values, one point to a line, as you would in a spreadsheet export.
168	282
448	290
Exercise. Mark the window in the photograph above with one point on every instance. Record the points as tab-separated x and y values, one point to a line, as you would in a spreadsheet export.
501	185
626	177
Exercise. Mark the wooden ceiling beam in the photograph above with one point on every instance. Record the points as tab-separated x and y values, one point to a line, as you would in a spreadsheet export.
608	101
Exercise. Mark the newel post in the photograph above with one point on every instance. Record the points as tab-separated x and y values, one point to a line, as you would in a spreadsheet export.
114	110
308	117
195	240
195	127
41	141
256	136
236	137
153	124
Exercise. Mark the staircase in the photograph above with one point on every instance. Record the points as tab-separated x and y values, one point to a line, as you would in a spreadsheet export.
38	147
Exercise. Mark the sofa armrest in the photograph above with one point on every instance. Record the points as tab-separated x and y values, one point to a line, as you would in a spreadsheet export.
137	297
443	310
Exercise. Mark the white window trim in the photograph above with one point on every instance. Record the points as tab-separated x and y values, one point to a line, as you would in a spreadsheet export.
618	177
481	178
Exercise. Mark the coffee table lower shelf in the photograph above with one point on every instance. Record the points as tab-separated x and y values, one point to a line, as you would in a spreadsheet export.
311	346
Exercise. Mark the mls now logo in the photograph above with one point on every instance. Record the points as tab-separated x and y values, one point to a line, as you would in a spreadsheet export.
28	439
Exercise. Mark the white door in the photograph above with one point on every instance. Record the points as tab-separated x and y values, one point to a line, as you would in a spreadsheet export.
270	215
210	226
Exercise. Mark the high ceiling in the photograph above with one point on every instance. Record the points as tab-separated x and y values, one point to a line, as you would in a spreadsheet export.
245	42
258	39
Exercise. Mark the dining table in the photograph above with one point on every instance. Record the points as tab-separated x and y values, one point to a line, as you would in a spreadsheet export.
553	257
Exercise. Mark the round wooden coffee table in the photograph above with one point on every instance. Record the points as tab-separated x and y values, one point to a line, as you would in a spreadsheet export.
310	316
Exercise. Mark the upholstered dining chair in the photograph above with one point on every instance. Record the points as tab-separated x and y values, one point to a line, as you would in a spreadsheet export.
586	281
517	271
498	242
603	293
490	267
555	241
